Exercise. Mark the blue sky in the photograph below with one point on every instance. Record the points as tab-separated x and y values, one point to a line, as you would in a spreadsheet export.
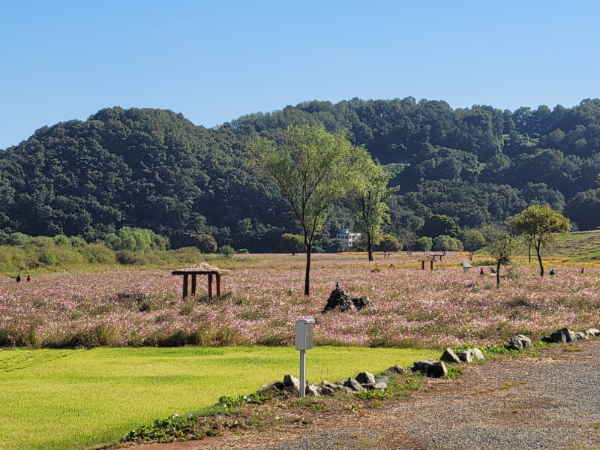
216	60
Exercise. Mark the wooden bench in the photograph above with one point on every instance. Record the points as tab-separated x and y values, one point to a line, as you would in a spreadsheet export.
429	260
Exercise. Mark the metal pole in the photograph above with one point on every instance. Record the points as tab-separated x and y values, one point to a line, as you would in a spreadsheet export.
302	373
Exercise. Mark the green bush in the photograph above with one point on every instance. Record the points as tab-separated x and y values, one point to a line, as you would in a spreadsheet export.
101	253
227	250
129	258
206	243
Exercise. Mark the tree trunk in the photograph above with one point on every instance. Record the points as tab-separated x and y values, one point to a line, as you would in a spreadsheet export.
307	273
537	249
498	274
370	246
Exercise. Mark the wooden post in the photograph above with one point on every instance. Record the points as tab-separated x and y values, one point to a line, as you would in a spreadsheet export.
431	262
423	265
210	282
218	284
193	285
185	285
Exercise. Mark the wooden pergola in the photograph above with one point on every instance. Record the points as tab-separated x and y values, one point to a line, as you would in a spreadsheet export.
201	269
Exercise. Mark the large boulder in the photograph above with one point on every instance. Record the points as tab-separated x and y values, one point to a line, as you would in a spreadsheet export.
430	368
291	383
519	342
354	385
338	299
561	336
365	378
450	357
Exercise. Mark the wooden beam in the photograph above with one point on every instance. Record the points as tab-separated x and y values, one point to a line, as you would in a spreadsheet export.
185	285
218	284
193	285
210	287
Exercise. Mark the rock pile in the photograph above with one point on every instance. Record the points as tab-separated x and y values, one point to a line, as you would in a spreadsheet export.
364	381
340	300
565	335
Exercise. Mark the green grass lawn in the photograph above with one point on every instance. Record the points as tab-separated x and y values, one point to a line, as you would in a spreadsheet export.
67	399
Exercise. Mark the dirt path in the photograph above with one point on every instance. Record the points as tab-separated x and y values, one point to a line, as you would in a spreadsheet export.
548	402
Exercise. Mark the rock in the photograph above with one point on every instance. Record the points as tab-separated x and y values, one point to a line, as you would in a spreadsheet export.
354	385
345	390
465	357
325	390
395	370
277	386
311	390
593	332
291	382
361	302
365	378
582	335
450	356
382	379
327	384
339	300
519	342
476	353
561	336
430	368
380	385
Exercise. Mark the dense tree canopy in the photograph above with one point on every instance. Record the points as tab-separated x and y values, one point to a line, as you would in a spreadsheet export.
154	169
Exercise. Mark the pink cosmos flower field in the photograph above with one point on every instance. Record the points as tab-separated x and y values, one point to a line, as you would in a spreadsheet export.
263	297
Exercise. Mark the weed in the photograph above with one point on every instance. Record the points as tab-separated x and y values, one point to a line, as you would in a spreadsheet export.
454	372
511	384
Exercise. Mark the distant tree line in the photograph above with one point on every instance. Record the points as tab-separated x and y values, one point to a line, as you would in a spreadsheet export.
192	186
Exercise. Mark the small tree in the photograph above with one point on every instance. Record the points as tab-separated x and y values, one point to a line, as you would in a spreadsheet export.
539	226
502	247
438	224
408	240
425	243
292	243
227	250
206	243
447	244
368	202
389	243
312	169
473	240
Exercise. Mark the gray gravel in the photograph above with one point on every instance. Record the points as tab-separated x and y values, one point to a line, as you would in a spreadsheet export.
547	403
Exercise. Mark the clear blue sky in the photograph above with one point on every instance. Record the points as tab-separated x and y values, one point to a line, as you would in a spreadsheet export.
215	60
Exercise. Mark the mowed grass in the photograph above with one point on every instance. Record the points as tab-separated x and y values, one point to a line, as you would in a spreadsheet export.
71	399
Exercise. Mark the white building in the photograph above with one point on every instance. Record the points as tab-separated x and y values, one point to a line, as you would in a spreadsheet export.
347	237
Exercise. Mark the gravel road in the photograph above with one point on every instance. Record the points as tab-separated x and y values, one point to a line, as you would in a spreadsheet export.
551	402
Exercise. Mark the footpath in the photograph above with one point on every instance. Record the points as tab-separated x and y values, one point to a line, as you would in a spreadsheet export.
546	402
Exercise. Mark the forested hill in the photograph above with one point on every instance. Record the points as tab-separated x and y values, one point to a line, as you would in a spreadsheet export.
155	169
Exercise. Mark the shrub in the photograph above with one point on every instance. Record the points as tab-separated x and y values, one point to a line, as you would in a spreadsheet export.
129	258
18	239
101	253
389	243
61	239
49	258
227	250
206	243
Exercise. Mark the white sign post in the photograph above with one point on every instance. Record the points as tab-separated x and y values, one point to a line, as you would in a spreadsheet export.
304	341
